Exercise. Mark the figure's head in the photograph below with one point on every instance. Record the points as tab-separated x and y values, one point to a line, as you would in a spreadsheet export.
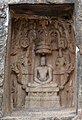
43	60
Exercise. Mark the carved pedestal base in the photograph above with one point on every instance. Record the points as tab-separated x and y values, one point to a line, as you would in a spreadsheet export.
42	103
42	98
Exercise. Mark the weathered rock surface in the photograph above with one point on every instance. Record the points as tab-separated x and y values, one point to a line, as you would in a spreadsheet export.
3	37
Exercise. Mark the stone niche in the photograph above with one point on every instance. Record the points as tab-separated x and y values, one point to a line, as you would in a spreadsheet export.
41	58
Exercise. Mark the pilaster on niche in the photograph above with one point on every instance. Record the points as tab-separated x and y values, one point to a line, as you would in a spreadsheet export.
42	57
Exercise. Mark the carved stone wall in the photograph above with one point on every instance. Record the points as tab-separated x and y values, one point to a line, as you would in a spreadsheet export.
40	72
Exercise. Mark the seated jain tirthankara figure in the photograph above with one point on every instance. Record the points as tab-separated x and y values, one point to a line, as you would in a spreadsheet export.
42	92
42	73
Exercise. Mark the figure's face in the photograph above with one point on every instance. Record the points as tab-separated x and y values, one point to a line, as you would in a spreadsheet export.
43	61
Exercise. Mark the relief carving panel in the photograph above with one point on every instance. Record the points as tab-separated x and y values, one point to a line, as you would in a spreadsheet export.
42	63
